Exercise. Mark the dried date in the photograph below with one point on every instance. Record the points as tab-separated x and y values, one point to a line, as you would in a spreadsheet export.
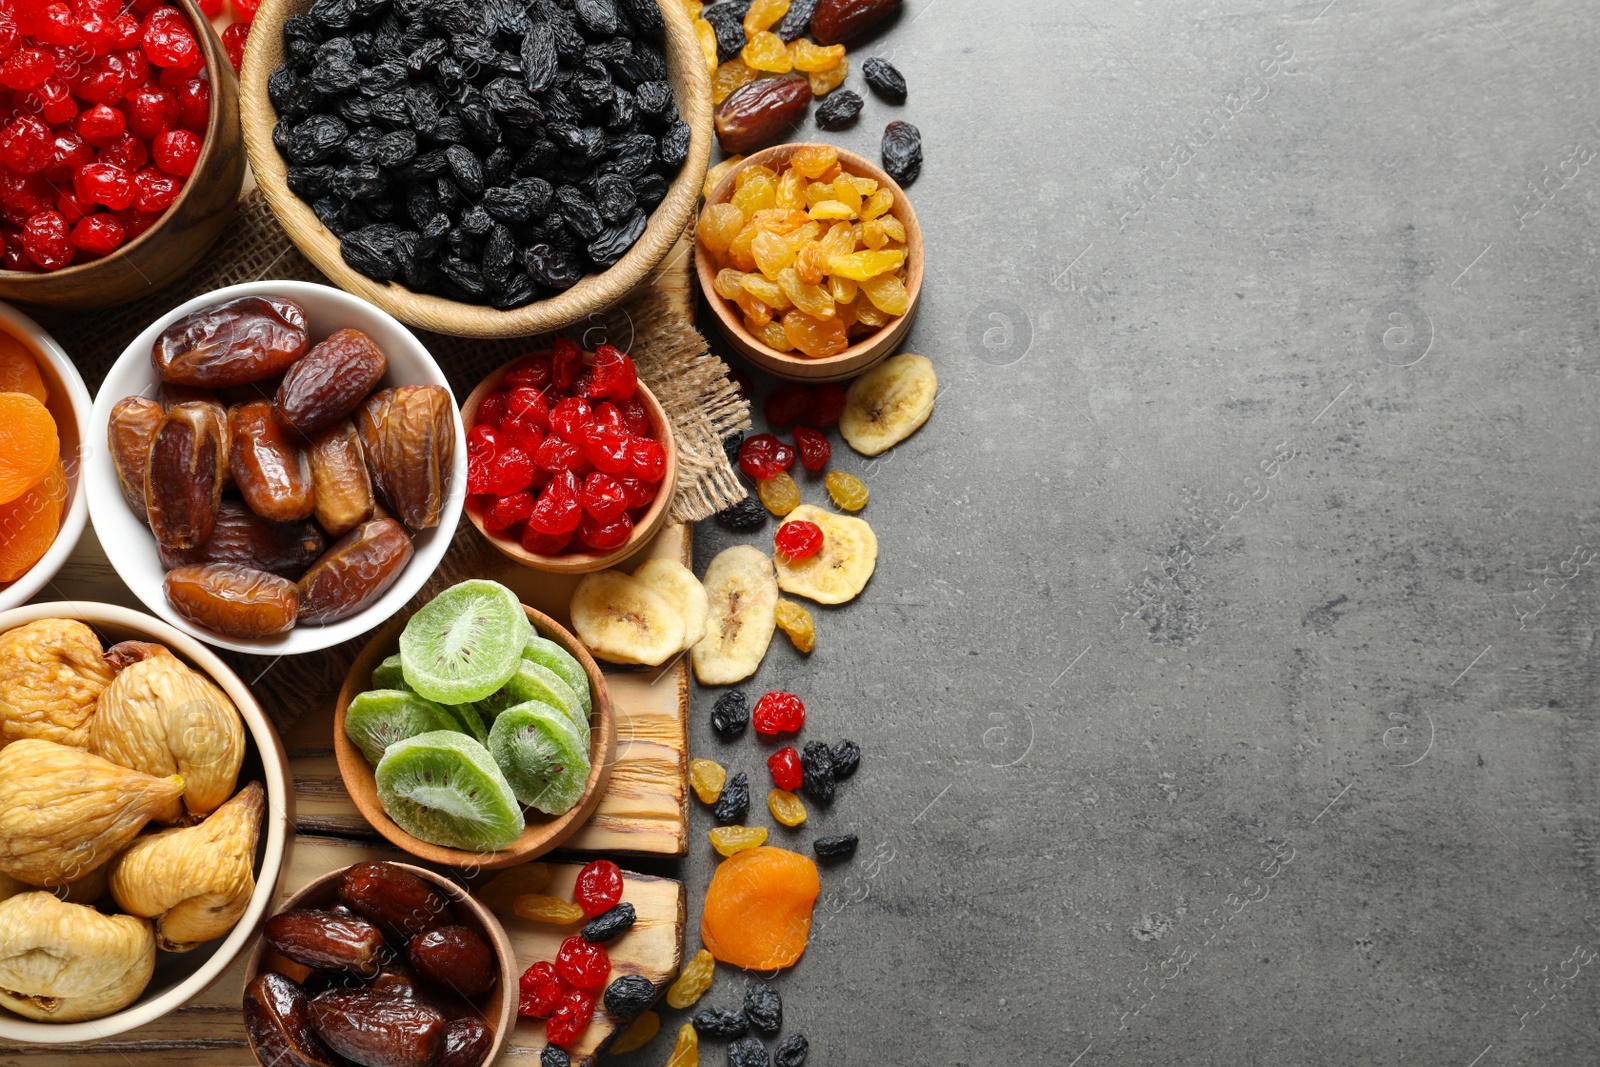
270	470
453	957
358	569
241	536
398	901
277	1019
377	1030
466	1043
836	21
326	941
761	111
129	433
409	438
339	479
233	600
184	473
329	382
240	341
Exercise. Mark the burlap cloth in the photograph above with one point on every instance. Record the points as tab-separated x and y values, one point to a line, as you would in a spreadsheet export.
674	360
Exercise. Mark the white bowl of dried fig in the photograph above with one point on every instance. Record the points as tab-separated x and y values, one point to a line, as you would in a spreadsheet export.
144	816
285	466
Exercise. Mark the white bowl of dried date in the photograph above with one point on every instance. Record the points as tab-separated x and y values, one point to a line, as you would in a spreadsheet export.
283	467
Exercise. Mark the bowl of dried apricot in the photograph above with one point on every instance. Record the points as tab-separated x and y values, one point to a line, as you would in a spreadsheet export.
285	467
811	259
44	420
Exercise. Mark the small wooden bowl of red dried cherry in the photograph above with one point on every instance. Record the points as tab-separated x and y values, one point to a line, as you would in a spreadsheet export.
570	459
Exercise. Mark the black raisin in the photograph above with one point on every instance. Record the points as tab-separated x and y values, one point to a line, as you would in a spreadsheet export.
512	101
614	196
624	113
303	28
517	202
746	515
499	253
466	169
373	257
839	110
846	759
720	1023
791	1051
763	1007
674	147
464	276
839	846
425	56
888	82
733	803
334	14
748	1052
646	16
308	183
334	69
356	110
614	242
730	447
629	995
476	221
389	108
652	189
362	145
518	291
480	122
449	130
551	267
579	213
728	21
654	98
280	85
816	763
384	78
429	164
316	139
731	713
554	1056
609	925
796	21
599	17
364	181
394	149
902	152
497	165
634	155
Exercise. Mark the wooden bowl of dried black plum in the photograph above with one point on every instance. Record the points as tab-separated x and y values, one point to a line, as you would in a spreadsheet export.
481	169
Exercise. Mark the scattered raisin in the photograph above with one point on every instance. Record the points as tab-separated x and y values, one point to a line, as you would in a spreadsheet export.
839	110
707	777
609	925
554	1056
748	1052
692	981
728	840
629	995
902	152
731	714
720	1022
839	846
797	20
846	759
816	761
763	1007
748	514
888	82
791	1051
734	803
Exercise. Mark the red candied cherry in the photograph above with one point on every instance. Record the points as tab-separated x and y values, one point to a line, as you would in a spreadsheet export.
788	403
483	439
100	125
15	258
176	152
778	712
55	24
529	370
647	460
763	456
570	1019
603	496
194	104
26	68
135	68
98	234
607	449
103	183
26	145
47	241
570	419
566	362
507	471
135	221
152	109
9	37
23	196
127	152
580	387
210	8
540	990
604	536
106	82
520	429
583	964
167	40
233	43
530	404
72	209
556	455
68	153
125	30
153	190
543	544
172	77
798	539
491	409
507	511
246	10
635	419
51	101
640	494
785	767
614	374
813	447
598	888
607	415
557	510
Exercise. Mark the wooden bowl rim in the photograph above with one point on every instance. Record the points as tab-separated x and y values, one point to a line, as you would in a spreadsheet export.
505	952
666	223
537	838
903	210
582	562
216	64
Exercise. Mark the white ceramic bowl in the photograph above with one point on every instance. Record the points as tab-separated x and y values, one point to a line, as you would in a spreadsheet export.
68	401
179	977
132	548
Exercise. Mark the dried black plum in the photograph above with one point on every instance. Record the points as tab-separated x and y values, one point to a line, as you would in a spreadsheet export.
316	139
554	1056
885	80
816	762
763	1007
796	21
731	713
733	804
839	110
748	1052
720	1022
846	759
614	242
902	152
610	924
629	996
839	846
791	1051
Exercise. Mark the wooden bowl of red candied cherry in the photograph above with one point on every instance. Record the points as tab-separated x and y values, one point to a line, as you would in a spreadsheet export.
570	459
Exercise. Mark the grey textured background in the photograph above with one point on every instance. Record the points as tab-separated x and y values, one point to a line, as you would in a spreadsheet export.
1226	683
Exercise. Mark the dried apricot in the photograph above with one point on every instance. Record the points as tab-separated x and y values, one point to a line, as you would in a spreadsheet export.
29	446
787	808
779	493
543	909
757	911
707	777
28	524
693	981
729	79
826	81
849	493
686	1053
796	621
729	840
19	372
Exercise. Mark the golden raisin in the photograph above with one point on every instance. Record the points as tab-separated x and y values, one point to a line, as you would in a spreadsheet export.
796	621
877	204
849	493
771	334
686	1053
811	263
864	265
730	839
787	808
543	909
757	193
773	253
833	209
846	312
868	315
887	293
848	193
719	172
812	159
763	15
692	981
892	226
694	8
826	81
813	58
766	52
779	493
708	41
765	290
755	311
719	225
814	300
843	289
707	777
751	173
637	1036
816	337
839	241
739	251
727	284
729	79
792	191
873	235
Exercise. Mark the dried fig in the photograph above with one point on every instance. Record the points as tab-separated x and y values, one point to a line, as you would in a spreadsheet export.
409	436
357	570
64	963
377	1030
270	470
329	382
64	812
233	600
131	430
243	340
241	536
327	941
277	1018
161	717
51	675
339	477
183	480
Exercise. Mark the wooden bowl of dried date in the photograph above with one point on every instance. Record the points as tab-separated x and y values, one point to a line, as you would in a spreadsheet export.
494	186
146	255
861	313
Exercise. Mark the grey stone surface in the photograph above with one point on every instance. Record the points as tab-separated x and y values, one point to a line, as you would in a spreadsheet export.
1227	681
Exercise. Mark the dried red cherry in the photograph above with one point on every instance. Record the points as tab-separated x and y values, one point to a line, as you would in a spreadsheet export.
570	1018
598	887
778	712
763	456
539	990
586	966
785	767
813	446
613	375
798	539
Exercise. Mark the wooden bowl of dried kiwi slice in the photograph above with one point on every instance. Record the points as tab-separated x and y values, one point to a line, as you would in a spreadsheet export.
475	733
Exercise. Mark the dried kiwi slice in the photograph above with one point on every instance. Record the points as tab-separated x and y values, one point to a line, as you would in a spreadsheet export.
470	722
542	756
388	675
378	718
444	788
533	682
546	653
464	643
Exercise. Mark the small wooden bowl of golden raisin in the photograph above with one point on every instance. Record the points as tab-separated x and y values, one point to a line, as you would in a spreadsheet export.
811	258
